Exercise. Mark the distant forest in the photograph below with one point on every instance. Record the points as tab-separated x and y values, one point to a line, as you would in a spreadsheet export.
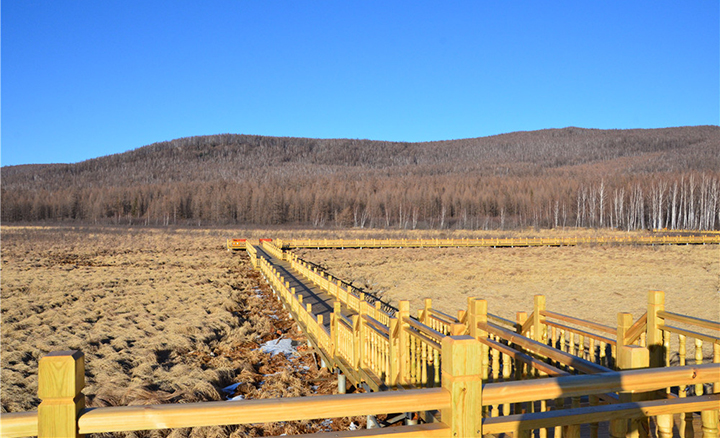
627	179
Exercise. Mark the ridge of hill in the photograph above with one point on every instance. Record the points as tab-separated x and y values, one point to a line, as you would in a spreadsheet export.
243	171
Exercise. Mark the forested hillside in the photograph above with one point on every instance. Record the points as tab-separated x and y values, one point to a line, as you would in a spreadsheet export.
660	178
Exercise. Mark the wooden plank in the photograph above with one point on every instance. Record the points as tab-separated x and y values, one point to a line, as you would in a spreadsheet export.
18	424
593	414
372	380
705	323
581	322
149	417
644	380
582	332
429	430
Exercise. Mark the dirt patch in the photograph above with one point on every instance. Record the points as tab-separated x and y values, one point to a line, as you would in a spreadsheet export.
162	317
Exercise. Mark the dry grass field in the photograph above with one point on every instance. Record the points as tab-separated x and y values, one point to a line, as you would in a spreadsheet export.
169	316
593	282
162	317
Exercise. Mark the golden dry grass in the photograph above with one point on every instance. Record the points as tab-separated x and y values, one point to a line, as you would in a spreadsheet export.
592	282
162	317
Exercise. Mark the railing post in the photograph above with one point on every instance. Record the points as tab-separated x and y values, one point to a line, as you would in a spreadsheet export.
633	357
335	330
624	322
402	356
656	347
477	312
654	340
393	360
61	377
461	378
426	311
520	318
358	341
539	320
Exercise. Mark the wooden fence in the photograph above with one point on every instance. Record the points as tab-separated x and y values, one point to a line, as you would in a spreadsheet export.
460	399
495	243
468	374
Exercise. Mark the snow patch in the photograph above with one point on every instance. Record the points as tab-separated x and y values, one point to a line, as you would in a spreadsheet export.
283	346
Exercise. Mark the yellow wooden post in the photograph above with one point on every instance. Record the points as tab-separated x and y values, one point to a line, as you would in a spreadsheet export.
334	329
539	320
426	311
520	318
710	418
634	357
654	341
357	341
61	377
477	312
402	356
624	322
393	353
461	378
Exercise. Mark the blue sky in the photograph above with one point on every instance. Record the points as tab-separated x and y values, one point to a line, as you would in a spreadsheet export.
82	79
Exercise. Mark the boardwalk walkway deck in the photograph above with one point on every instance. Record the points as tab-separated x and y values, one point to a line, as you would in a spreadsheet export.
321	301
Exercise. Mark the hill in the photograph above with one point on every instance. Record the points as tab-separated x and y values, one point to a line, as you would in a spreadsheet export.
571	176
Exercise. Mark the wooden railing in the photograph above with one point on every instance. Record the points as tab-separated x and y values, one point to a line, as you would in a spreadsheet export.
273	250
497	242
460	399
345	293
252	254
235	244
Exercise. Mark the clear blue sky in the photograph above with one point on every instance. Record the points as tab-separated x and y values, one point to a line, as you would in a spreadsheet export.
82	79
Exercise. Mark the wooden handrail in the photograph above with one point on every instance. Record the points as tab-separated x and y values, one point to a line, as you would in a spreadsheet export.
422	328
643	380
704	323
376	325
425	338
148	417
19	424
594	414
582	332
501	320
444	317
524	358
528	323
580	322
637	329
568	359
689	333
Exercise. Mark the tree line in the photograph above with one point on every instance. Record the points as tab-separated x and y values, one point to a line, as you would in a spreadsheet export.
633	179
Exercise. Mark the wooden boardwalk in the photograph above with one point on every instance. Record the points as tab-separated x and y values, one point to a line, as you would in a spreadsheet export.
321	301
